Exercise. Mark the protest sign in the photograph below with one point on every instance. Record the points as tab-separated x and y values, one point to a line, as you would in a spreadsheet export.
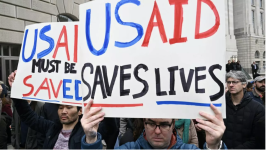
48	67
157	59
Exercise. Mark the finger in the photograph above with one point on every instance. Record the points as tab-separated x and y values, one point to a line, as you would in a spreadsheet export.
196	125
94	123
212	118
95	117
88	106
217	112
207	129
93	112
209	124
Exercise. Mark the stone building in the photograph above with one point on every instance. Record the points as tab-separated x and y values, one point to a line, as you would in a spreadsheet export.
231	48
16	14
249	30
245	38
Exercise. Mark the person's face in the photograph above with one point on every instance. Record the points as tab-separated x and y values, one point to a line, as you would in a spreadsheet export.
229	61
233	60
254	63
235	86
159	138
68	114
260	85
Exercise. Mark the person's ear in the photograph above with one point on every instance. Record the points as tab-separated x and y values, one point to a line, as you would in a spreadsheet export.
244	85
80	111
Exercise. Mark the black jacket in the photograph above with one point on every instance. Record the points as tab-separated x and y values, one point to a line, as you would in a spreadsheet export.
49	113
238	67
233	66
31	139
253	67
228	67
241	121
49	128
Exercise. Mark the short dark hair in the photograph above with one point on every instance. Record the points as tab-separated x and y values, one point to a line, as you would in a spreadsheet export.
78	107
249	85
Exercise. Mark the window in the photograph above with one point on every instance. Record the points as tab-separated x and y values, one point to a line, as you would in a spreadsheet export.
263	64
257	54
261	4
253	19
252	2
264	54
9	56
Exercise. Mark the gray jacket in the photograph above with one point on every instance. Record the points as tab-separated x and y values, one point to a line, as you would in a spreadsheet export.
32	135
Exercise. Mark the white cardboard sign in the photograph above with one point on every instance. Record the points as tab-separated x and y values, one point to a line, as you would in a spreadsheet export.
157	59
48	67
135	58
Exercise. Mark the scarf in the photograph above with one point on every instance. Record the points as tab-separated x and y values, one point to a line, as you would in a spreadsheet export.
186	123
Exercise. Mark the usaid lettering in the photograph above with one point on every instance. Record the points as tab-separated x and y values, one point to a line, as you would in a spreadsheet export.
133	57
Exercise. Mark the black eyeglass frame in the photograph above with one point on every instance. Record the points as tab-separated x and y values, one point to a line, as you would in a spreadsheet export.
158	125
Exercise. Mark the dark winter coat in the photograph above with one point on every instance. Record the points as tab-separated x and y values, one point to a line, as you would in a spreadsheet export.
32	134
241	121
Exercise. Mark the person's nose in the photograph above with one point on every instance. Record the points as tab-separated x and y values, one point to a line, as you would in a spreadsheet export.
64	110
157	130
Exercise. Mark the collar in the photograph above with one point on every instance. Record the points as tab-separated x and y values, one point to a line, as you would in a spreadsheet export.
256	94
173	138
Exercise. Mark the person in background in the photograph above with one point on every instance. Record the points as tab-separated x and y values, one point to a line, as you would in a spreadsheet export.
3	119
7	113
23	136
238	66
242	114
187	131
129	131
228	66
259	90
249	87
254	68
233	65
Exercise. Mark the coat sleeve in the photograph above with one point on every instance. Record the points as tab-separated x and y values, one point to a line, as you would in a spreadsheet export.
251	143
96	145
193	133
40	136
30	118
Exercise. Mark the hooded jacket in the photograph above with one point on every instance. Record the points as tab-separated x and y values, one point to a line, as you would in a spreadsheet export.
49	128
241	121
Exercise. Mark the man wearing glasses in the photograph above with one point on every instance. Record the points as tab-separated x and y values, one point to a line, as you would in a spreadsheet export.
158	133
243	115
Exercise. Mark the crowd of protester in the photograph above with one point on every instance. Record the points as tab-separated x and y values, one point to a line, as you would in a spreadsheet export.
38	125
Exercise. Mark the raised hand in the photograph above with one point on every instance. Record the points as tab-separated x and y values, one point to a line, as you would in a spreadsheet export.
90	122
214	127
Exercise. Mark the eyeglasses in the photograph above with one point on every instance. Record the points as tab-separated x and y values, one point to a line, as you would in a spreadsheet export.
162	127
233	82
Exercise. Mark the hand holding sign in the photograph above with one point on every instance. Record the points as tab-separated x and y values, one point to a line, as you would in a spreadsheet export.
11	78
90	122
214	128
